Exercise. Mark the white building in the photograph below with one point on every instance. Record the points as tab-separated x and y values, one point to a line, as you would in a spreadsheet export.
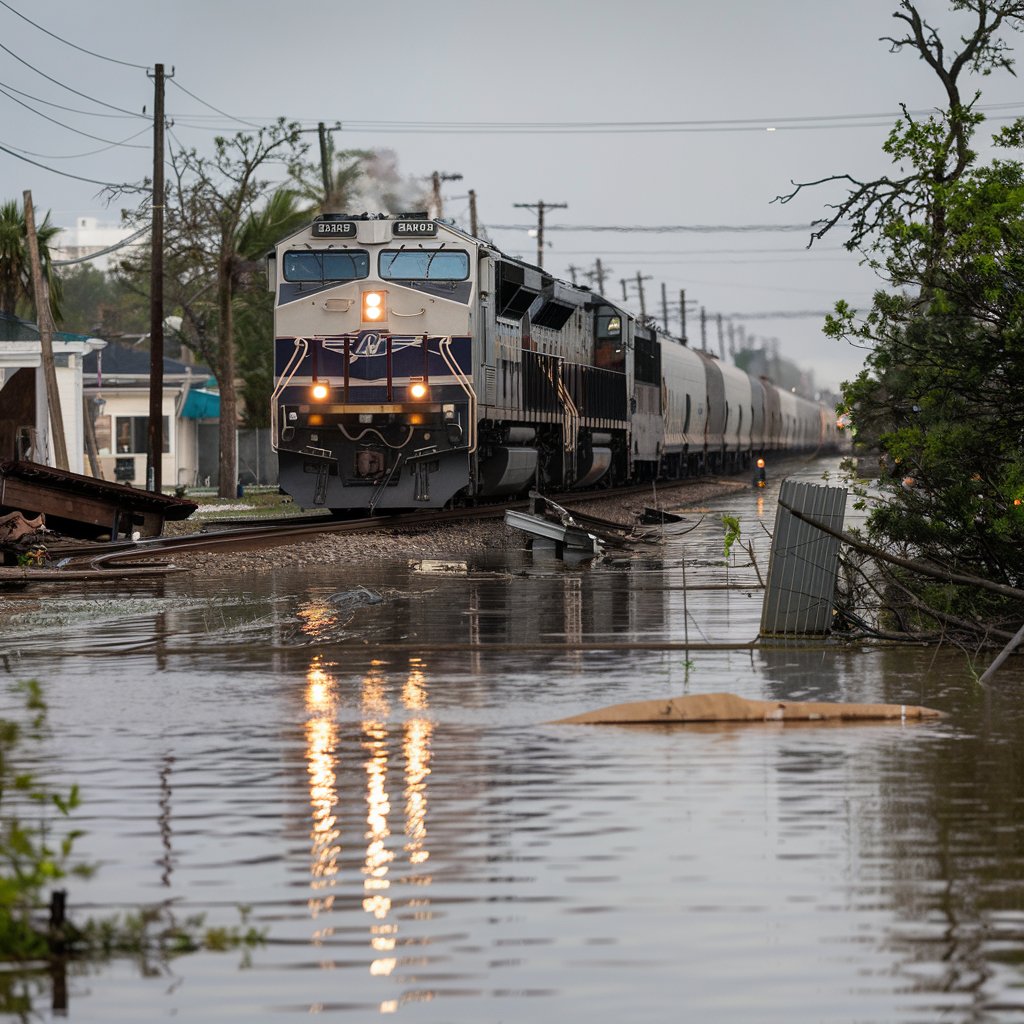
88	236
25	428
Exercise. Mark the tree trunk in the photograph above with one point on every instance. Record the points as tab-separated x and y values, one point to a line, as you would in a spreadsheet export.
228	461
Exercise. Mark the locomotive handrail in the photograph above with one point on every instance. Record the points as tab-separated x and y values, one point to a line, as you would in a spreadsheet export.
418	312
291	367
444	347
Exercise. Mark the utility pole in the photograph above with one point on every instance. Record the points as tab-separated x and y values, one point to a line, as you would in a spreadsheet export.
703	330
682	314
664	306
599	270
437	177
640	288
732	338
42	301
155	430
325	167
625	294
540	206
572	271
721	338
472	214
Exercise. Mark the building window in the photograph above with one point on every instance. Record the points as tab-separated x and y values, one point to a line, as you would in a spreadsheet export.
132	435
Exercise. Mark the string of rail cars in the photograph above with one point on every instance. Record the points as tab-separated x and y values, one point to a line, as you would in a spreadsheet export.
418	367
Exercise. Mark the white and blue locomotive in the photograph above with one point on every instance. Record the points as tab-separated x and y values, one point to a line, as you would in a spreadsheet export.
416	366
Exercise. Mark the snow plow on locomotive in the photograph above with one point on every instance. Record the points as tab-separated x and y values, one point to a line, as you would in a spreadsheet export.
416	366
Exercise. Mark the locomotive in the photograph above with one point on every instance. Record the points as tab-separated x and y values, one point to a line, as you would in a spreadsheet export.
417	366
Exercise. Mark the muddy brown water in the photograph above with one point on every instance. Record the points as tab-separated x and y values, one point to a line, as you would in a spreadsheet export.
414	838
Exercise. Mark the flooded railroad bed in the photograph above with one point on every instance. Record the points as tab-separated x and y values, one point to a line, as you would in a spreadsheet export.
414	837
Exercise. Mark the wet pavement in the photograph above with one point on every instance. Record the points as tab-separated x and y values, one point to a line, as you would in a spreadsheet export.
414	837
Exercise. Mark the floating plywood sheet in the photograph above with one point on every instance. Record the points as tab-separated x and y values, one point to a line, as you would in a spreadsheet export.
728	707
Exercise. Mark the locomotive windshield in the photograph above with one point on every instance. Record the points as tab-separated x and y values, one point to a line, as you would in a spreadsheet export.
326	265
424	265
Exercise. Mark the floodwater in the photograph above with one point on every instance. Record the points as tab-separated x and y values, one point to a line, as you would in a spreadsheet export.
414	837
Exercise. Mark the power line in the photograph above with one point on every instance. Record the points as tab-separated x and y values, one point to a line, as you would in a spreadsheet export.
85	96
79	156
100	252
239	120
61	124
123	187
658	229
759	124
74	46
59	106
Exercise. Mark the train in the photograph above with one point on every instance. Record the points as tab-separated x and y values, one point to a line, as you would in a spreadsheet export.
417	366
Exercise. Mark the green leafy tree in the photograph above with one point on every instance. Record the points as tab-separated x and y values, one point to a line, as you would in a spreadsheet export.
100	303
16	292
210	203
941	396
283	214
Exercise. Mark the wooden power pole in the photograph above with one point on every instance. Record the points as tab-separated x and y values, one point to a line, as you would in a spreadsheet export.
540	206
436	178
155	431
45	320
472	214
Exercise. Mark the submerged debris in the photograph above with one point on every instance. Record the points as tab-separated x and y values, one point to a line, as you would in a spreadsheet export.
728	707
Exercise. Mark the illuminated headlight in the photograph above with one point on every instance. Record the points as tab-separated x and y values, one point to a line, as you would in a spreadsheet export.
418	391
373	307
320	391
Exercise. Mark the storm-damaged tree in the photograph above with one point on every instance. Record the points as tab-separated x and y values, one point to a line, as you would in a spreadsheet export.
16	294
208	254
941	397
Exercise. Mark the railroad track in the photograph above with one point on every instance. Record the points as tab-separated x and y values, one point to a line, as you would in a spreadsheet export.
247	535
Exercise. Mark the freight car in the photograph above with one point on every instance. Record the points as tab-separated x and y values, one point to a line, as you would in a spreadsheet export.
417	366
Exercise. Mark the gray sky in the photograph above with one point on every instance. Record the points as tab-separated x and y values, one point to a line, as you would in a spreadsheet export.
391	72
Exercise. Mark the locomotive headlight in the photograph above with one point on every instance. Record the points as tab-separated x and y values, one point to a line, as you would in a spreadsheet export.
319	390
418	390
374	307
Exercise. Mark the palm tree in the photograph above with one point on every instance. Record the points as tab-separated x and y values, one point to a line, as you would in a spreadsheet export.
15	270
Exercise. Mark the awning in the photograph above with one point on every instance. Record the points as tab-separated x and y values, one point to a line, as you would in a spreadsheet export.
201	405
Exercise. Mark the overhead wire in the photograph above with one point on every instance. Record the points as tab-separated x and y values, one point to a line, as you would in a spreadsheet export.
122	186
231	117
78	156
74	46
85	96
61	124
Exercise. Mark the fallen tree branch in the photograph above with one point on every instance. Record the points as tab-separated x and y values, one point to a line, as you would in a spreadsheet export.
908	563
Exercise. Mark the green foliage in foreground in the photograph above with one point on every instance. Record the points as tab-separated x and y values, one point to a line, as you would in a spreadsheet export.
940	402
33	858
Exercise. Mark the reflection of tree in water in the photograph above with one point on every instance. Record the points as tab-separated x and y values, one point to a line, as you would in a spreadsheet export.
952	829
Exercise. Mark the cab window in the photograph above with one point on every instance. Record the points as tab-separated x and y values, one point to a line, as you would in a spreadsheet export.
322	265
423	265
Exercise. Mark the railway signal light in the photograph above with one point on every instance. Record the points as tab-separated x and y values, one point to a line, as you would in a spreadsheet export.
374	307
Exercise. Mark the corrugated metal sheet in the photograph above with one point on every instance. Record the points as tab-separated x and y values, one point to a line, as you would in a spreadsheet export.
803	563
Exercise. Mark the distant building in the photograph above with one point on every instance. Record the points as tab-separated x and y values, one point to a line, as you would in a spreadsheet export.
116	384
88	236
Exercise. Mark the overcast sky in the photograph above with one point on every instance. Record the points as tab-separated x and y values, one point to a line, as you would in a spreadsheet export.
723	71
